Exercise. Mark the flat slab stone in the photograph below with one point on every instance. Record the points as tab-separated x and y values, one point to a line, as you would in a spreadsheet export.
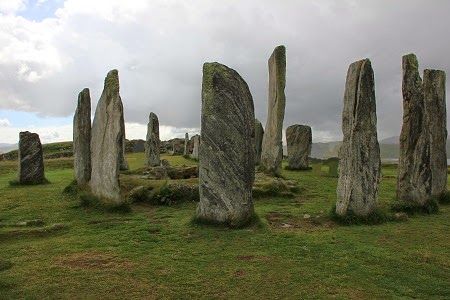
299	141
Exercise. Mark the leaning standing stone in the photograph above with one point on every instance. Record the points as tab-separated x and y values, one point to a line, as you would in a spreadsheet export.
31	160
107	142
299	140
82	138
259	134
272	145
434	94
359	156
152	144
414	173
196	142
226	166
186	144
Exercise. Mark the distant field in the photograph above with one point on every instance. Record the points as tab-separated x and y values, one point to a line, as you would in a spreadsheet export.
156	252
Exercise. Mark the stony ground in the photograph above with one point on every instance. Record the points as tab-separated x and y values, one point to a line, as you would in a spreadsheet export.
156	252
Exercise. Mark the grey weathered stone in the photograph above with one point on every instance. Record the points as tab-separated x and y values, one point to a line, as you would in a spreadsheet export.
226	166
359	156
414	173
259	134
272	145
82	138
107	142
123	164
186	144
435	106
196	142
152	144
299	141
31	159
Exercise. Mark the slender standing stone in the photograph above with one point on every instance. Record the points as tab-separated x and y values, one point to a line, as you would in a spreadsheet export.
196	142
186	144
82	138
299	141
226	166
434	95
414	173
123	164
107	142
272	145
31	160
152	144
259	134
359	156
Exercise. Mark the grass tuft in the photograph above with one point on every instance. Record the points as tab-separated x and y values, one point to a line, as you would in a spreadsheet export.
90	201
375	218
411	208
254	221
444	198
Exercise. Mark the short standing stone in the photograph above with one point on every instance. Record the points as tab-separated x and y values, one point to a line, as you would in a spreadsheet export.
434	95
107	142
152	144
226	166
272	145
31	160
82	138
359	156
299	141
414	173
186	144
259	134
196	142
123	164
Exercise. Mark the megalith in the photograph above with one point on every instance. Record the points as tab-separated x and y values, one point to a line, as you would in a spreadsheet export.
107	142
195	148
359	155
123	164
226	152
186	144
299	141
259	134
414	173
82	138
434	97
152	143
272	145
31	159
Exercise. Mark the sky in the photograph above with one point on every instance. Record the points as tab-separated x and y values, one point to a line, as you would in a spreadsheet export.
51	49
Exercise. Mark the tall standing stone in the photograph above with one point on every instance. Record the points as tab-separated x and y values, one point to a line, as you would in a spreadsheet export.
434	95
196	142
107	142
272	146
414	173
299	141
31	159
359	156
259	134
152	144
226	166
82	138
186	144
123	164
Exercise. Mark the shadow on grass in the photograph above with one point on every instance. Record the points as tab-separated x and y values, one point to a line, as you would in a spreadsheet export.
253	222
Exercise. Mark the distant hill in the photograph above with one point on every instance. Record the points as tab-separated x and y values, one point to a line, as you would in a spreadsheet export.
7	147
393	140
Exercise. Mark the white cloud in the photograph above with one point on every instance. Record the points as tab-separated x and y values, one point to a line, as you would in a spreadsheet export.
5	123
11	6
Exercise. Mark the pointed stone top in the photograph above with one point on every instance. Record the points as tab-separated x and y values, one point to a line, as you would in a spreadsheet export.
152	115
112	81
84	96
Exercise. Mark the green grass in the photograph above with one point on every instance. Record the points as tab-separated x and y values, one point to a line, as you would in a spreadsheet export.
295	252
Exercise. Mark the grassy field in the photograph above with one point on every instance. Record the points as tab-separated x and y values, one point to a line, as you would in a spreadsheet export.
156	252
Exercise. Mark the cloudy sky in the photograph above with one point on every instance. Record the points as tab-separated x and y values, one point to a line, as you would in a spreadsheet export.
51	49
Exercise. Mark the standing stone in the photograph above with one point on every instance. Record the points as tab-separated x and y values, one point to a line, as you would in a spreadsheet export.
123	165
152	143
299	141
259	134
107	142
414	173
82	138
186	144
196	142
359	156
434	94
226	166
31	160
272	145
